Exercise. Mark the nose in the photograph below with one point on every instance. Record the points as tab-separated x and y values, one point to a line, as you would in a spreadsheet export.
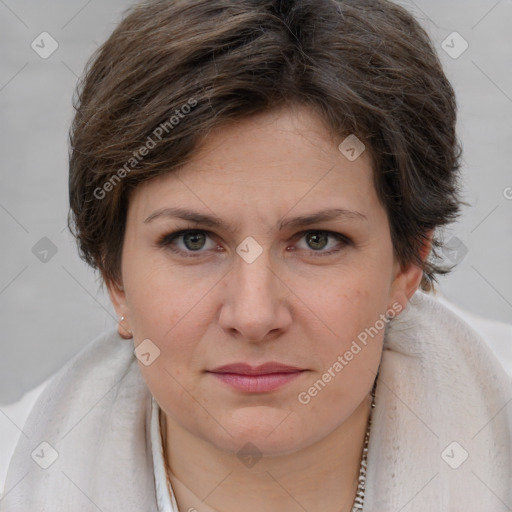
256	304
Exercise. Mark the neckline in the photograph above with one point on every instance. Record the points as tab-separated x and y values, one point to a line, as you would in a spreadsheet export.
166	499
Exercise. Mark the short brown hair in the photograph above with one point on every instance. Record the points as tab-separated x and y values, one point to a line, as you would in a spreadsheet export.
365	66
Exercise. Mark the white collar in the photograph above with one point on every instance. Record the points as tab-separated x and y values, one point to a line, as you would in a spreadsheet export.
164	494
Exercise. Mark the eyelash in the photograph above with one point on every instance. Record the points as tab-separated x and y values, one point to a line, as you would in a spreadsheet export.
167	240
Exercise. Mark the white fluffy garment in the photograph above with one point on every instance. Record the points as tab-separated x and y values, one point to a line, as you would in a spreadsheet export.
440	438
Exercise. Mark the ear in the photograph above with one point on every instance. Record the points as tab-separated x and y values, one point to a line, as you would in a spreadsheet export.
407	279
118	298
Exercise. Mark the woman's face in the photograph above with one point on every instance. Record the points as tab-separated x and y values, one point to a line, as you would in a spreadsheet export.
256	284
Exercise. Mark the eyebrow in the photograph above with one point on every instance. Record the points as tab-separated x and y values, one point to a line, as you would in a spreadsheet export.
216	222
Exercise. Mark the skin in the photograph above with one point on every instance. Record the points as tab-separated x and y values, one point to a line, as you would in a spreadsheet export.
291	305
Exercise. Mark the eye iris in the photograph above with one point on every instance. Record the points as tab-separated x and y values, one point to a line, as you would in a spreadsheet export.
194	237
195	241
314	237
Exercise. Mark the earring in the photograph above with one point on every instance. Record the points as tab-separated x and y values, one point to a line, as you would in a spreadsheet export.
127	330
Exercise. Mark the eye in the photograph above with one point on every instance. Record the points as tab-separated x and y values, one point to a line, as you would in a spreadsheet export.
318	240
193	240
190	242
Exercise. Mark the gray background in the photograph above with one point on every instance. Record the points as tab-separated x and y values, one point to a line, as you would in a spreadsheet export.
50	310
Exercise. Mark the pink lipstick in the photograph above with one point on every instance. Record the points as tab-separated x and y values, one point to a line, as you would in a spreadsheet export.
256	379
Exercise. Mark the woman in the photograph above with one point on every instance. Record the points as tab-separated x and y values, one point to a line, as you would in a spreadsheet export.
259	184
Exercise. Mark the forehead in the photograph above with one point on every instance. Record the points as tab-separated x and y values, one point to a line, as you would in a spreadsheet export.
275	161
288	139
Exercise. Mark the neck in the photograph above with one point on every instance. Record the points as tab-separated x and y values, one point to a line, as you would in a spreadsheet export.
323	476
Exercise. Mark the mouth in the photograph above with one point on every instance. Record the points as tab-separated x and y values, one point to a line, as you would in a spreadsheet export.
260	379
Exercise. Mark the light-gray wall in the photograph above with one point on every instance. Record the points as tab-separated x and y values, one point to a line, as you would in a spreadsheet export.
50	309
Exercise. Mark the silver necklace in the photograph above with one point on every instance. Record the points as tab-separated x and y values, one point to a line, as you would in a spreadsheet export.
359	499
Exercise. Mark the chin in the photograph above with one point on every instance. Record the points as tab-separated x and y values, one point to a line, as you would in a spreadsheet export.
269	436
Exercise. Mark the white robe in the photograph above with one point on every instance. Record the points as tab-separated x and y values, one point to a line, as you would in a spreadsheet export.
440	439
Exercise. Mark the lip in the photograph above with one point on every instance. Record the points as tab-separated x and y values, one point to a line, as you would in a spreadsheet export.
256	379
262	369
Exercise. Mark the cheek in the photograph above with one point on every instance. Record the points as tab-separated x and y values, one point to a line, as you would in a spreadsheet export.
351	327
348	354
354	342
161	294
351	299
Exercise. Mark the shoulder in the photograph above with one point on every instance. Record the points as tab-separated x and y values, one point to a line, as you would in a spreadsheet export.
12	419
497	335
